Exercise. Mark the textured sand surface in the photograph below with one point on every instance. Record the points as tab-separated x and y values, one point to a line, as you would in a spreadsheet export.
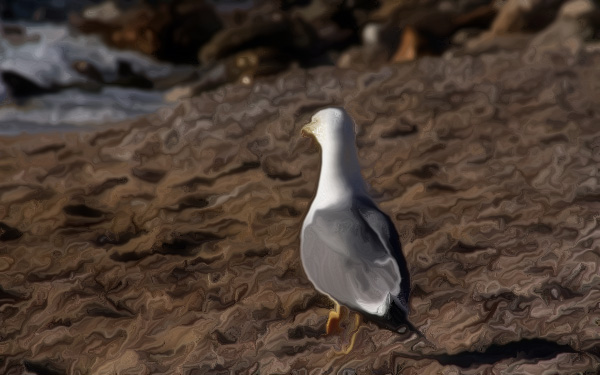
170	245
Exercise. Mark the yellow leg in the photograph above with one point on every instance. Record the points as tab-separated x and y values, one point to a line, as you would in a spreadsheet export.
353	337
333	322
334	327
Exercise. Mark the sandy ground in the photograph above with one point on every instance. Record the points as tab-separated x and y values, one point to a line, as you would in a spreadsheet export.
170	245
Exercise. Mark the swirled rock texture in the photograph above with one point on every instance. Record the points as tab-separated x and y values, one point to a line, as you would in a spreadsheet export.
169	245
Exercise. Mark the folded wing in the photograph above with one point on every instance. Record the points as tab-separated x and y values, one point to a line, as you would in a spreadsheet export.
353	254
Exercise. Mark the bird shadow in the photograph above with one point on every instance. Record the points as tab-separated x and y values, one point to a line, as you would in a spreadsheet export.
528	349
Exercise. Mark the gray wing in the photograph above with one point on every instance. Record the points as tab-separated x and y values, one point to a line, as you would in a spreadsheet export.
391	239
352	253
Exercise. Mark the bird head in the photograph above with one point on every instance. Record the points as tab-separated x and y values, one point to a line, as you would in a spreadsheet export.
330	126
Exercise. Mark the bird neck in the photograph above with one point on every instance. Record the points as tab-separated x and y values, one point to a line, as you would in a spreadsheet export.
340	174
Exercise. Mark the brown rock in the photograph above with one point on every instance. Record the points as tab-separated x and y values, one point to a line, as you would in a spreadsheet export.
410	30
242	67
172	32
268	29
409	46
87	69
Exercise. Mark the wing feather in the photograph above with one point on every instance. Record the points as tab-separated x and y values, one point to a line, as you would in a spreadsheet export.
353	255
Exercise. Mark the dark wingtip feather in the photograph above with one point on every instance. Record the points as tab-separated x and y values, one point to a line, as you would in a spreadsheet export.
395	320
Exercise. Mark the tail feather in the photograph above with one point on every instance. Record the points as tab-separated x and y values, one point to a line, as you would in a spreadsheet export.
395	318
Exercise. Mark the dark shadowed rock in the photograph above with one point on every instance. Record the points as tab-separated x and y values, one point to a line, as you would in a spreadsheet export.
8	233
171	31
20	86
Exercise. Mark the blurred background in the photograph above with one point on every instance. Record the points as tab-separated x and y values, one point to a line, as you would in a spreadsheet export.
73	63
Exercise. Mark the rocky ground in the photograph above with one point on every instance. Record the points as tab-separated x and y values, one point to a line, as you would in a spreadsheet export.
170	244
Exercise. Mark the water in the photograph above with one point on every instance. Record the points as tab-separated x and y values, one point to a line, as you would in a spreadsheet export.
48	61
72	109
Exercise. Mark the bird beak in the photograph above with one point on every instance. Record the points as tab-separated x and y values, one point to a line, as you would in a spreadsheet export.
308	130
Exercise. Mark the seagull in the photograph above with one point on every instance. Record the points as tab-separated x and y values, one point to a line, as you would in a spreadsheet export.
349	248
